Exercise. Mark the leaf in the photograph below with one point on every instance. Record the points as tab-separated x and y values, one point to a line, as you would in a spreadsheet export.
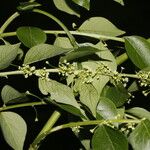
58	92
140	137
82	51
133	87
11	95
138	50
106	138
139	112
7	54
31	36
83	3
43	51
89	97
103	26
120	2
64	6
71	109
27	6
14	129
106	108
63	42
119	95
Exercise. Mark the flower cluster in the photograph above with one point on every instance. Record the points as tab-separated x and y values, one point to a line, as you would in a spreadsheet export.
27	70
87	76
128	128
115	77
144	77
66	68
42	73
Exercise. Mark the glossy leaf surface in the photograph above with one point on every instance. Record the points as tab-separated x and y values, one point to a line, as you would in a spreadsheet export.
83	3
138	50
106	138
140	137
31	36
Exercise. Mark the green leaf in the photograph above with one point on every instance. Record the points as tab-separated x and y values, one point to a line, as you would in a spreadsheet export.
58	92
71	109
103	26
140	137
63	42
120	2
138	50
64	6
119	95
83	50
106	108
106	138
133	87
31	36
89	97
43	51
139	112
14	129
27	6
83	3
11	95
7	54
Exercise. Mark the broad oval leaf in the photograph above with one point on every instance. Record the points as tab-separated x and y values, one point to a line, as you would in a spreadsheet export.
89	97
106	138
58	92
140	137
83	3
11	95
138	50
14	129
64	6
139	112
43	51
7	54
106	108
103	26
31	36
119	95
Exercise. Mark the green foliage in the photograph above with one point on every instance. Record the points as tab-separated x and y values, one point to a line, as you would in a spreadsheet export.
64	6
11	95
138	49
103	26
140	137
43	51
82	75
83	3
31	36
118	95
107	109
14	129
7	54
107	138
